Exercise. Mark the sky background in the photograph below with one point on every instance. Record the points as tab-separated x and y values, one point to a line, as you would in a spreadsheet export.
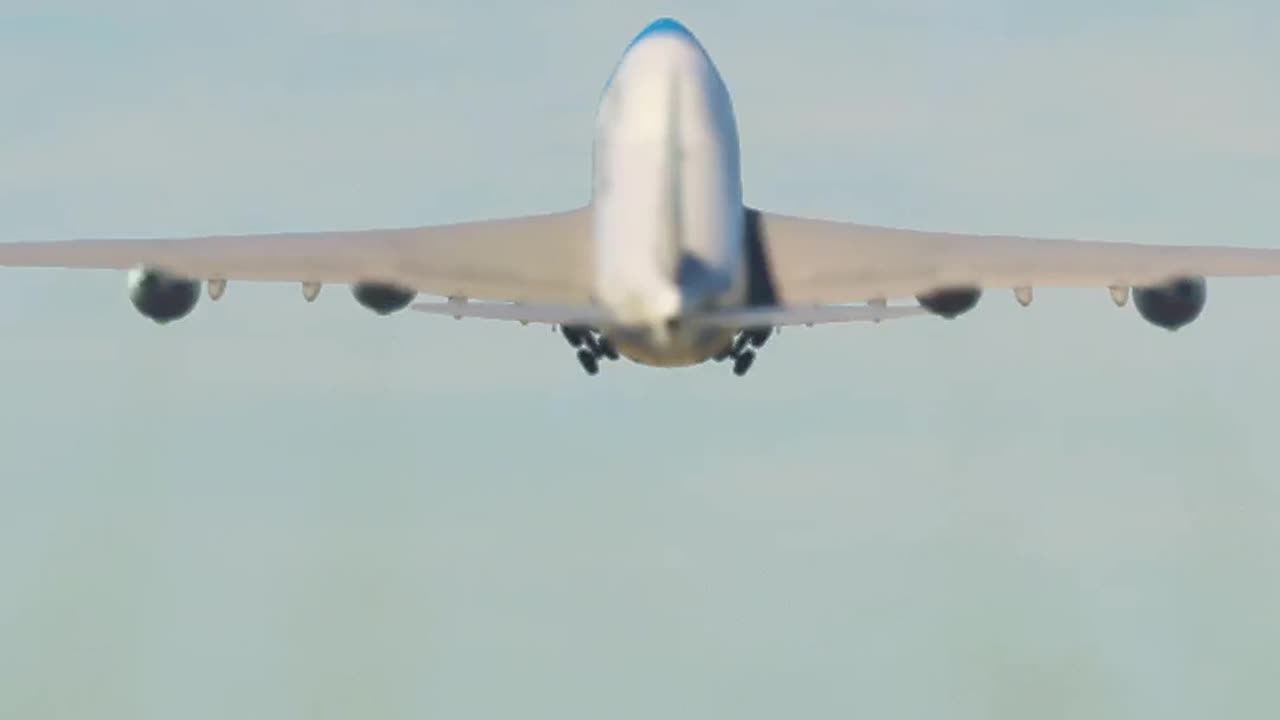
281	510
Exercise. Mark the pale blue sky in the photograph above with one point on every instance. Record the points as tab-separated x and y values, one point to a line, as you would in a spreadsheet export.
281	510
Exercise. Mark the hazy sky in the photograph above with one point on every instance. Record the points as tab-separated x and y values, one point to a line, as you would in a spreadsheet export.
281	510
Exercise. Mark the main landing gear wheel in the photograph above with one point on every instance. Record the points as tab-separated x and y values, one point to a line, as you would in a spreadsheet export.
759	337
592	346
574	336
740	350
587	359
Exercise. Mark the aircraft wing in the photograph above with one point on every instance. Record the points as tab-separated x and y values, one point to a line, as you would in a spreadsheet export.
540	258
812	261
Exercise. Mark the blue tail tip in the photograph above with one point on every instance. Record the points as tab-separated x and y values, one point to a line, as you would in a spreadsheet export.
664	26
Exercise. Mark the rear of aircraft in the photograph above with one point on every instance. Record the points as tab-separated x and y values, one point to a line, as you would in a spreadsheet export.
667	197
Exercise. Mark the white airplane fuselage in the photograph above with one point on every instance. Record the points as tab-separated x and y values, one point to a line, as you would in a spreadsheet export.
668	216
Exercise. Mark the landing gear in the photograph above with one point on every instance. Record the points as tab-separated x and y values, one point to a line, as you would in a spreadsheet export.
607	349
741	349
588	361
575	336
592	346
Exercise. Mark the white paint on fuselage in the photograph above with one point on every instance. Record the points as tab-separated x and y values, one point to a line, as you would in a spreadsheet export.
667	199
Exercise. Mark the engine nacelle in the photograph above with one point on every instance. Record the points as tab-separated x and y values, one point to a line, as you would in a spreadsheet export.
161	296
383	299
950	302
1173	305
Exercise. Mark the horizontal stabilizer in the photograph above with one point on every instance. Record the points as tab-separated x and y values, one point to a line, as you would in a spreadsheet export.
732	318
779	316
518	312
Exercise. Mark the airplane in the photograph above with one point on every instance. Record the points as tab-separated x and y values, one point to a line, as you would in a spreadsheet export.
666	264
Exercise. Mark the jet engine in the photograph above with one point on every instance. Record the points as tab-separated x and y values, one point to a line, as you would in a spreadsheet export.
161	296
383	299
1172	305
950	303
